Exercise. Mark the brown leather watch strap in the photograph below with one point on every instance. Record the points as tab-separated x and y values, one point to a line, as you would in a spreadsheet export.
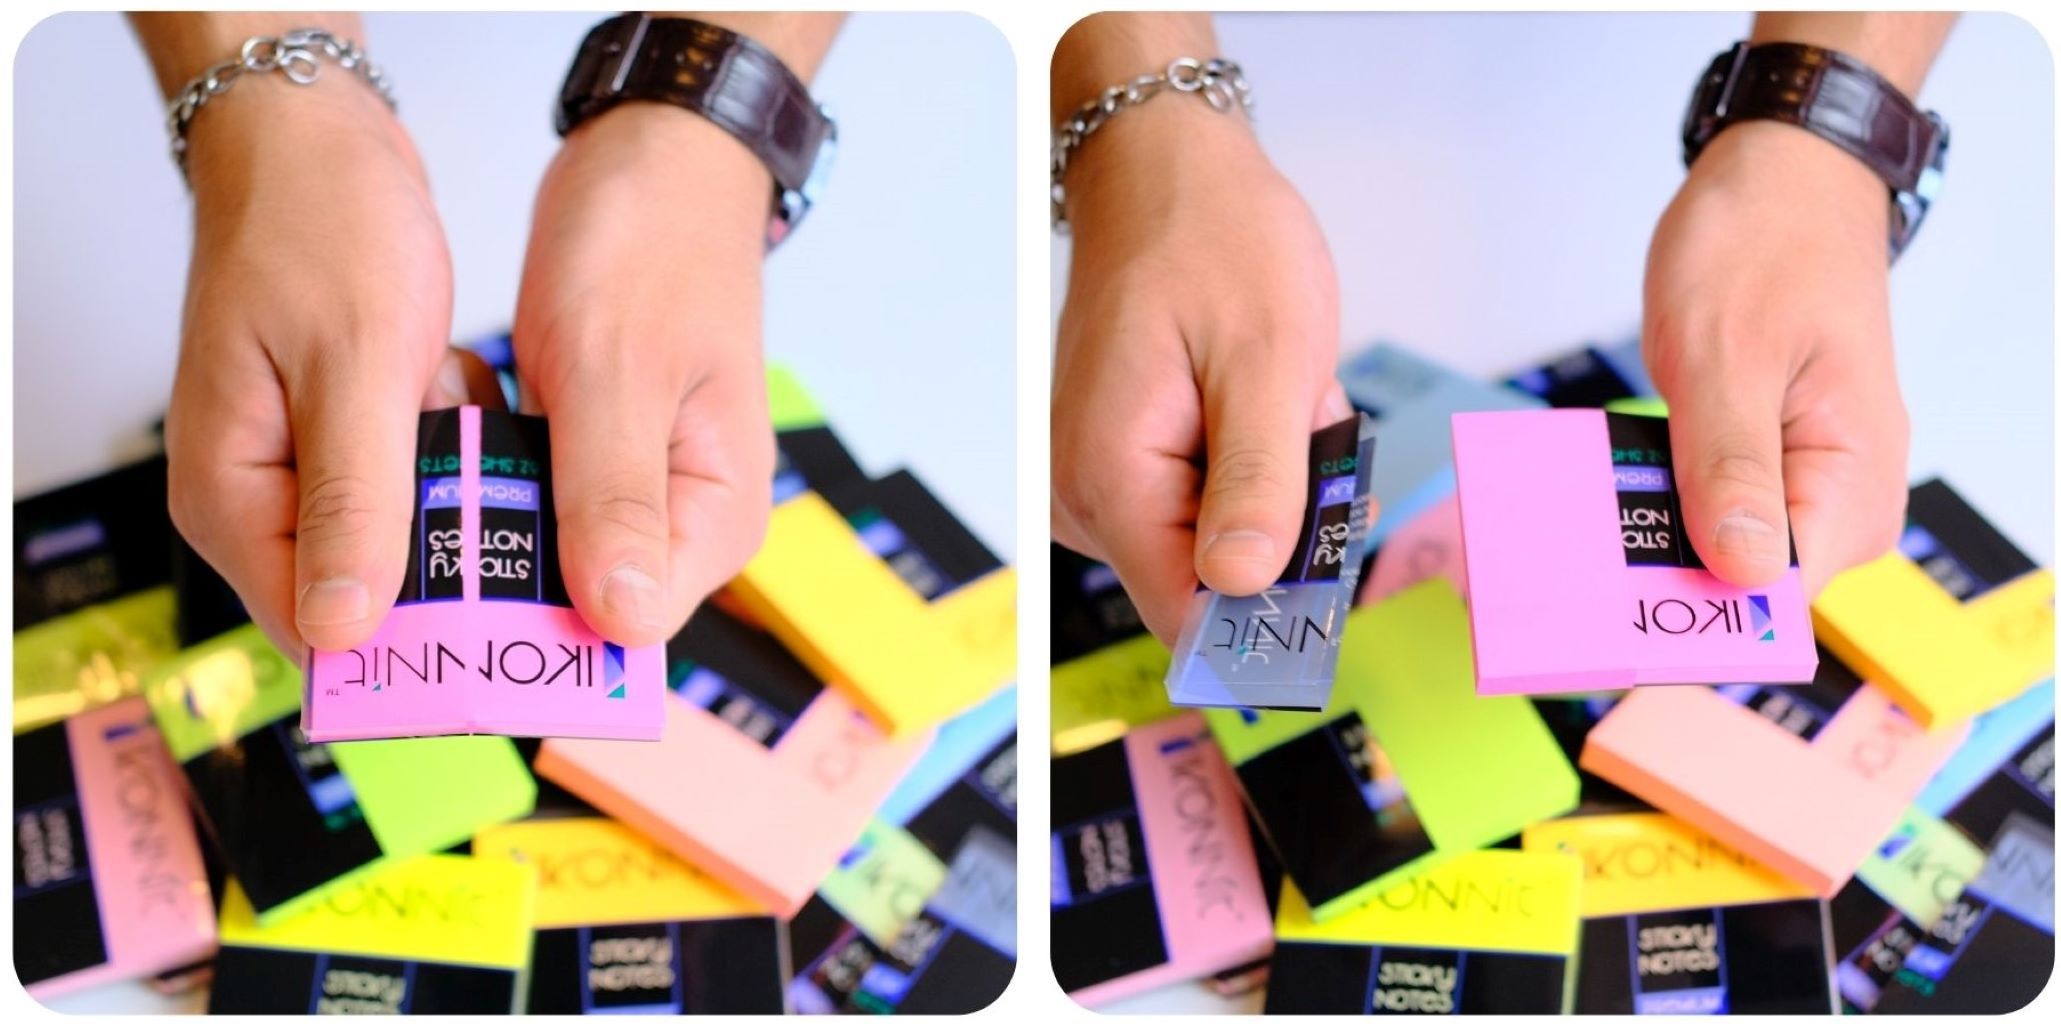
725	77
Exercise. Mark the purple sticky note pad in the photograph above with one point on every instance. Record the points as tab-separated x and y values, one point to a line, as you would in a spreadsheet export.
483	638
1579	575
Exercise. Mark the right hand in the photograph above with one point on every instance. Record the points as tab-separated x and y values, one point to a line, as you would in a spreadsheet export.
1201	317
317	315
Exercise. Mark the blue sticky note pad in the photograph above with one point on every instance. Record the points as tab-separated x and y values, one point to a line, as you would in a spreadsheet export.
958	747
1412	400
1997	734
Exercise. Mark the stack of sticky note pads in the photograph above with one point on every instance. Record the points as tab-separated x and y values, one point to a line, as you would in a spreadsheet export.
828	823
1611	786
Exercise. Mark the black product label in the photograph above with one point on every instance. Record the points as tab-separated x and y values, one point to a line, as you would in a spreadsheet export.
1583	379
1331	978
1803	711
1334	809
1327	517
932	967
518	542
811	459
286	821
906	526
1873	961
630	968
1956	546
57	927
1755	958
739	674
985	797
90	542
715	965
1649	512
2023	785
1105	912
1090	609
1679	964
208	606
252	980
436	551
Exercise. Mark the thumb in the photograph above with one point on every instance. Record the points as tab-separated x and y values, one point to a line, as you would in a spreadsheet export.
608	466
1257	426
353	450
1728	467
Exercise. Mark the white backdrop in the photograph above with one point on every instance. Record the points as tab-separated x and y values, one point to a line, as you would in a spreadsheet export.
1489	183
895	302
906	268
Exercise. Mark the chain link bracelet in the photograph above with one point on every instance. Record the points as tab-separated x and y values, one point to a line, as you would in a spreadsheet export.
296	55
1219	81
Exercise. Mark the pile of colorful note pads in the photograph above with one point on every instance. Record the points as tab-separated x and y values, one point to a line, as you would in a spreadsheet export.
827	822
1844	808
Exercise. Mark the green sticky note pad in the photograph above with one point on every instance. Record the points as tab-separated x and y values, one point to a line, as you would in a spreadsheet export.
1406	769
1642	405
1922	867
91	657
788	402
485	783
883	882
1101	695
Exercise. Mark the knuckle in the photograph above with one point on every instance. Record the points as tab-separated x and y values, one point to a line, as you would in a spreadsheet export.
630	509
1738	462
1245	473
336	508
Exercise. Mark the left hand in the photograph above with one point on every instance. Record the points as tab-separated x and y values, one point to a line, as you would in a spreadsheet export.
1767	331
637	334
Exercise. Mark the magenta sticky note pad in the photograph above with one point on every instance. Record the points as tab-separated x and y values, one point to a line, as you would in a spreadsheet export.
1580	576
483	638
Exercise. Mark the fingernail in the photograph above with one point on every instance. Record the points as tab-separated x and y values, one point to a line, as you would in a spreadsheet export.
1336	407
451	378
631	593
1745	535
336	601
1240	546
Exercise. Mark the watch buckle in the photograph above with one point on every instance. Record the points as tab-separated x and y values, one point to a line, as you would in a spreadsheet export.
614	72
1731	83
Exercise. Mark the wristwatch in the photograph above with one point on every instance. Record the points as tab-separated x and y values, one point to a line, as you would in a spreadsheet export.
725	77
1838	99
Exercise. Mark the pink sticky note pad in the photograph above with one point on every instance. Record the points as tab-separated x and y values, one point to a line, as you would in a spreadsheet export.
1427	545
483	638
1798	783
1579	575
770	822
1205	877
142	857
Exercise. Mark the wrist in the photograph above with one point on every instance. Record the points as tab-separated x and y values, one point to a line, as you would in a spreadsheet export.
662	154
1772	158
266	125
1155	153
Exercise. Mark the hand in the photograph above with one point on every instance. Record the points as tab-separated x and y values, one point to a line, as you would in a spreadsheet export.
318	306
637	333
1201	316
1767	331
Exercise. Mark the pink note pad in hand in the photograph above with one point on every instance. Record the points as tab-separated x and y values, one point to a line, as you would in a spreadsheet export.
1580	576
483	638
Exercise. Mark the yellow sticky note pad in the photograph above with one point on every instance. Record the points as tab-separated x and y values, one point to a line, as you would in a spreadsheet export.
909	664
1100	695
597	871
1640	863
1509	900
437	907
1940	657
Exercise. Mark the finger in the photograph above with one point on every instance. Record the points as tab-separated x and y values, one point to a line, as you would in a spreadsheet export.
1256	415
1847	494
354	445
609	450
463	378
1137	514
720	485
1726	427
239	518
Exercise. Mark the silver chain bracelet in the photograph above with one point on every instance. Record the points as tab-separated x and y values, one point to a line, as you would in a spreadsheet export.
296	54
1219	81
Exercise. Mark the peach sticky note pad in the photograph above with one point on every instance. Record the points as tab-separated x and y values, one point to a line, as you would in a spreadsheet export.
1954	622
1580	576
763	777
1804	779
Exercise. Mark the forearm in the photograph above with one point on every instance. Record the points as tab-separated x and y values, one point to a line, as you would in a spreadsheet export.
182	44
1898	46
1104	49
800	40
